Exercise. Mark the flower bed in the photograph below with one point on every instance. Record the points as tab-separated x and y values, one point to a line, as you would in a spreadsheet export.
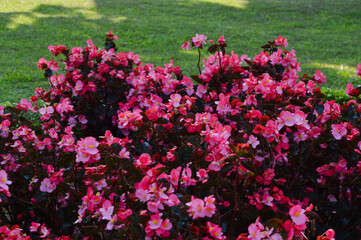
118	149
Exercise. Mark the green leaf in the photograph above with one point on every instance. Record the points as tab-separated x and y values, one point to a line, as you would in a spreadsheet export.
116	148
197	79
274	223
162	121
227	168
184	153
213	48
319	108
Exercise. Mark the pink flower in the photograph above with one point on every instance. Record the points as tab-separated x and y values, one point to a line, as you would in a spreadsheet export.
319	77
56	50
82	119
215	231
108	55
34	227
198	40
196	208
24	103
142	195
201	90
47	186
276	236
223	106
281	42
111	35
358	70
61	79
186	45
42	65
110	224
155	222
107	210
153	206
53	65
45	232
330	233
221	40
288	118
175	99
254	232
89	145
202	175
210	207
78	86
253	141
144	160
297	215
100	184
338	131
4	182
124	153
166	225
130	120
48	110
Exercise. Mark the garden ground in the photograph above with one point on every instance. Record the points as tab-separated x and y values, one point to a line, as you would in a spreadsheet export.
324	33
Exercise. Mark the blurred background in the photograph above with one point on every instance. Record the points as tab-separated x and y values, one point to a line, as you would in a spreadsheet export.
325	33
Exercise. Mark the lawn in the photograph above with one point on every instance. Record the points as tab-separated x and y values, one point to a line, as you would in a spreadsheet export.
325	33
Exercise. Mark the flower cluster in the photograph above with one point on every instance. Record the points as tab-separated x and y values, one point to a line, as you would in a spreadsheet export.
247	149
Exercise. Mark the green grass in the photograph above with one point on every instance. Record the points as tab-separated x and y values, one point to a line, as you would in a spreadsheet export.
325	33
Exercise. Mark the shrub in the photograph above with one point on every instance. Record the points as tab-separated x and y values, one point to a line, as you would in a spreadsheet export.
124	149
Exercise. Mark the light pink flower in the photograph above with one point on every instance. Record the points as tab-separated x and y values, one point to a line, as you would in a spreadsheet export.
166	225
215	231
24	103
153	206
124	153
338	131
34	227
100	184
107	210
175	99
319	77
45	232
47	186
110	224
253	141
142	195
276	236
288	118
89	145
298	215
196	208
198	40
78	86
48	110
155	222
4	182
